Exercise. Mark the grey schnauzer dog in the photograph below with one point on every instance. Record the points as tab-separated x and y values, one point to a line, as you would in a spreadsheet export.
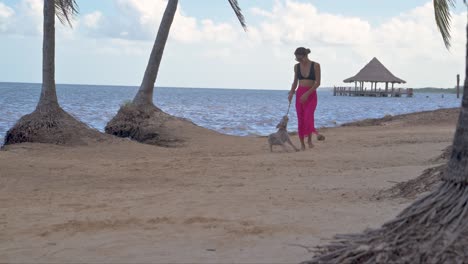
281	136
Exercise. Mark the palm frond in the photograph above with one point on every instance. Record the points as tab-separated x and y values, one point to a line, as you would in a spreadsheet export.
235	6
66	10
443	18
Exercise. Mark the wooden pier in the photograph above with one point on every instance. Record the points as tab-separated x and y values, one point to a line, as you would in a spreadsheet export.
374	73
356	91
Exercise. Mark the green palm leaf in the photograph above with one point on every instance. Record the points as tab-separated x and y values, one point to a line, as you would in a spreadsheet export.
235	6
443	18
66	10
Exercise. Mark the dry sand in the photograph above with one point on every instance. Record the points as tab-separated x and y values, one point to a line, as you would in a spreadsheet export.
218	199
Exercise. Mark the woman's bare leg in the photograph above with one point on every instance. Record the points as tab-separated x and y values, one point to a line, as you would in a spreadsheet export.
303	147
309	141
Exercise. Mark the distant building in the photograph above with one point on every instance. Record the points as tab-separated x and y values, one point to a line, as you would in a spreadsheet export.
374	72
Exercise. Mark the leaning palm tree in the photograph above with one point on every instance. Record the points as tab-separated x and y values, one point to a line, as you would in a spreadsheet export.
141	119
433	229
49	123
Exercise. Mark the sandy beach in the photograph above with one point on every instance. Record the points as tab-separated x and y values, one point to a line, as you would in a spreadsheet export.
217	199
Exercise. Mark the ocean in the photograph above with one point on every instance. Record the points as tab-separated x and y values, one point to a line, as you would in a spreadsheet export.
230	111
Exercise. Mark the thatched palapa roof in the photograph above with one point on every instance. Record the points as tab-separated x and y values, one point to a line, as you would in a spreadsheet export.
374	71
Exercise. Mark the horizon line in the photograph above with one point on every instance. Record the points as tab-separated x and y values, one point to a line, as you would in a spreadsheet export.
223	88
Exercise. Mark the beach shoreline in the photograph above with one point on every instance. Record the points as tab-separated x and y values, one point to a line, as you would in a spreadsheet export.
217	199
235	112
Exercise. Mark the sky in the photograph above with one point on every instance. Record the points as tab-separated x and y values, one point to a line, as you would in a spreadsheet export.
110	42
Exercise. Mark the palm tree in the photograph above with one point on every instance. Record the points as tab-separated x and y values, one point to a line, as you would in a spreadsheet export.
433	229
49	123
141	119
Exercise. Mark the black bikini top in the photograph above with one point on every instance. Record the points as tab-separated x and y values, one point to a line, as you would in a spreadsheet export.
311	72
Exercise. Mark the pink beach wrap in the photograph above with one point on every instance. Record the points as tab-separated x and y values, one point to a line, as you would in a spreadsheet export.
305	112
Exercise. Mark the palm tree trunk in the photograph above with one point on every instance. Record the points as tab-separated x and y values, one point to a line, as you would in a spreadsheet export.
144	97
457	169
48	97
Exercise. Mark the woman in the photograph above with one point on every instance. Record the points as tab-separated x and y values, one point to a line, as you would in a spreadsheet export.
307	75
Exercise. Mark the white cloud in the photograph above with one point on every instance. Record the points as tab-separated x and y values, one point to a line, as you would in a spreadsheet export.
185	29
27	20
408	44
296	22
140	19
412	46
119	47
218	32
92	20
6	14
219	53
259	12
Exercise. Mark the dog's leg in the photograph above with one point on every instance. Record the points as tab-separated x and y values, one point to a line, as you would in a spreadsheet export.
271	148
292	145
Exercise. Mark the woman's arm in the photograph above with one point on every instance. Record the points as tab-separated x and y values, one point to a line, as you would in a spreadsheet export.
293	86
318	75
